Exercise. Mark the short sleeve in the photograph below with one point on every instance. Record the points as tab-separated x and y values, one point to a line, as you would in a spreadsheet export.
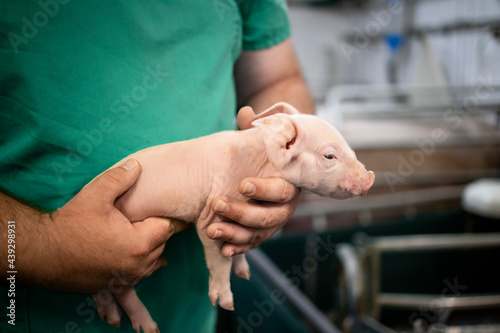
265	23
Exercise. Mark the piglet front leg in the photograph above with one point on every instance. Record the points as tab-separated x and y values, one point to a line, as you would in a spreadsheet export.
241	267
219	286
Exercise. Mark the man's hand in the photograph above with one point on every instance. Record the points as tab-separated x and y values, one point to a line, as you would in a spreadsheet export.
88	244
273	203
263	78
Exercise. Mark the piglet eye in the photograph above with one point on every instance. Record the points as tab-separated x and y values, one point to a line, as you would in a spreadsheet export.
329	156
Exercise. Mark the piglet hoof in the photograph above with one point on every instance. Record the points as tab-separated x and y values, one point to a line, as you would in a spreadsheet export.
147	327
225	299
241	267
243	273
242	270
108	310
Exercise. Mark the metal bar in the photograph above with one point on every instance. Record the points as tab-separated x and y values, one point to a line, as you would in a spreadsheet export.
373	326
414	301
435	242
493	24
454	141
378	201
302	304
352	273
456	26
342	101
365	100
460	141
470	329
339	94
358	109
375	261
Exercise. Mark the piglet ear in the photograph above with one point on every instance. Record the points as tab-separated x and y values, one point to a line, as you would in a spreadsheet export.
279	132
280	107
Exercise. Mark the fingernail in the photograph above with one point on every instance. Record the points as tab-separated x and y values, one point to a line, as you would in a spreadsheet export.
249	188
221	207
231	254
130	164
218	233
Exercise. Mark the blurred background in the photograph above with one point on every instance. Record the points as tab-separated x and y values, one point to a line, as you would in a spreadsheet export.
414	86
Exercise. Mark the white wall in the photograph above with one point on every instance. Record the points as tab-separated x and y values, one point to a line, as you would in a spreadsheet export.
329	59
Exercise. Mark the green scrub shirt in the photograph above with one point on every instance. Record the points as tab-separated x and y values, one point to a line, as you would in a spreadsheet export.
84	84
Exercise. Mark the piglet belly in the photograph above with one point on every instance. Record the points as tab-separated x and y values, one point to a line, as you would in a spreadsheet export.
156	196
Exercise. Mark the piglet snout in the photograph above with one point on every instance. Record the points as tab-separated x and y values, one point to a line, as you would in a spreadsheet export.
369	183
357	184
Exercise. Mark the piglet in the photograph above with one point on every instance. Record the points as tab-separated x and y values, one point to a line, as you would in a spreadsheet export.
179	180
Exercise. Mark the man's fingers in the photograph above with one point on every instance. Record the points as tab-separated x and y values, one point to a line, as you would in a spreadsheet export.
268	189
161	262
253	214
245	117
237	234
246	114
114	182
154	231
157	252
179	225
153	267
152	234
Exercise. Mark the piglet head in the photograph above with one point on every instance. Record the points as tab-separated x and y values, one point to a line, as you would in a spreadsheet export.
311	154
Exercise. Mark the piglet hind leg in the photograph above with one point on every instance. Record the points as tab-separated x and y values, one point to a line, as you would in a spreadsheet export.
219	286
240	266
136	311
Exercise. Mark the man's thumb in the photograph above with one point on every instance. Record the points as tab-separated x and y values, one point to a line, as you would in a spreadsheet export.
245	117
114	182
157	230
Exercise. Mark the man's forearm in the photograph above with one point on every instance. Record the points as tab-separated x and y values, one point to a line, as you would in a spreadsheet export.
27	222
272	75
292	90
87	244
